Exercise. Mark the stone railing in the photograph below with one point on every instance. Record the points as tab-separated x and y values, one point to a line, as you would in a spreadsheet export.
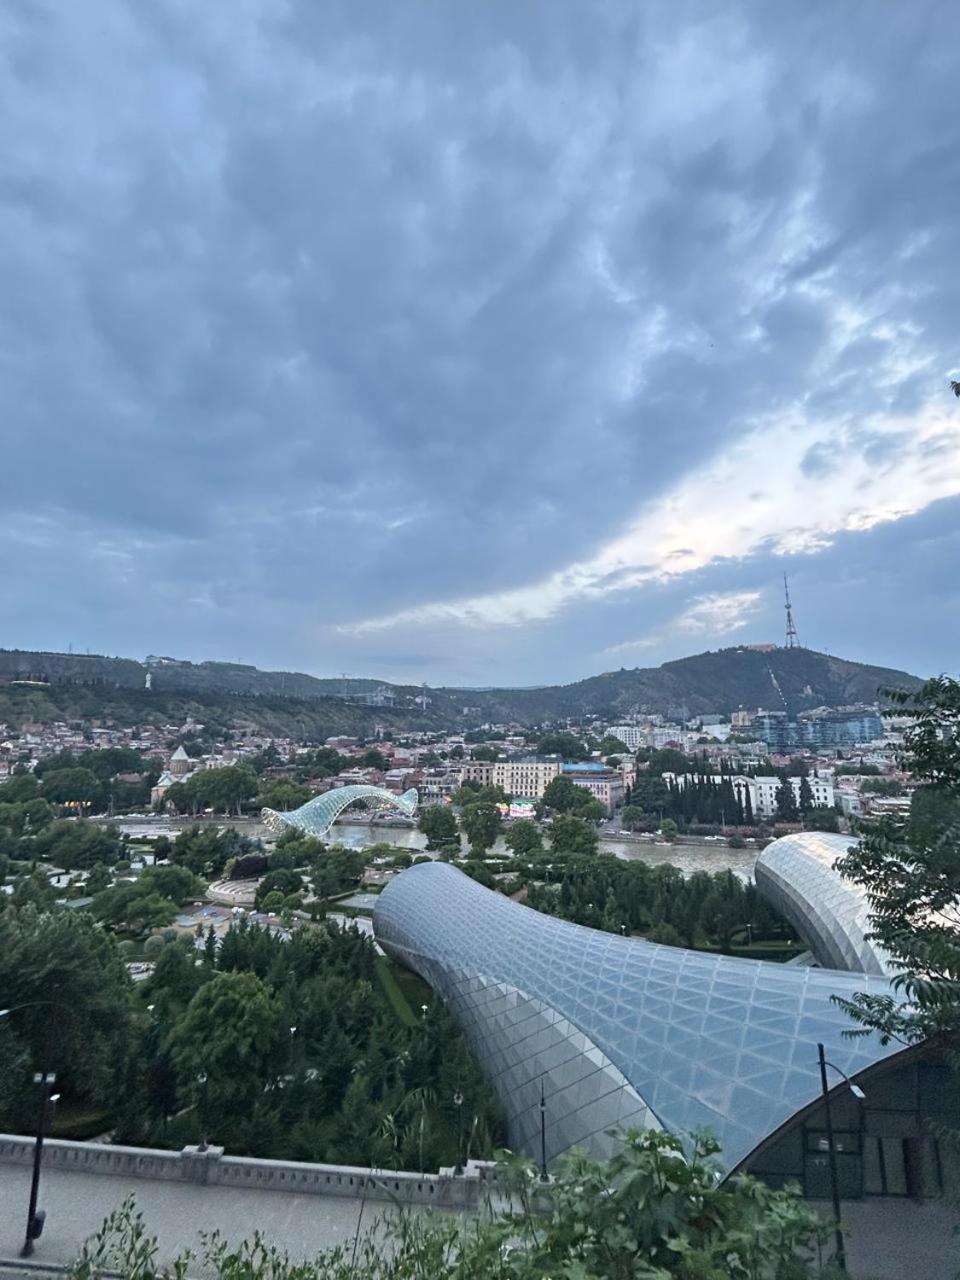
445	1190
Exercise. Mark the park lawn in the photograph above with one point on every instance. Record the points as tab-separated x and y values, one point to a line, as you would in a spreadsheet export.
78	1120
391	989
404	990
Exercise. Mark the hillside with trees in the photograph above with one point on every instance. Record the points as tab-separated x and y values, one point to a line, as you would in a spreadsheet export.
42	687
777	679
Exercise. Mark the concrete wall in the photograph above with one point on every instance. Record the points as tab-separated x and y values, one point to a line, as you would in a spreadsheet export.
213	1168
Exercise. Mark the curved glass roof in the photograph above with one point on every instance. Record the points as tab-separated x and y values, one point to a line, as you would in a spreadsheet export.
795	874
699	1040
318	815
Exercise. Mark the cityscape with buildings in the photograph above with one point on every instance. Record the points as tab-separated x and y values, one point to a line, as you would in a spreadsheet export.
609	922
479	698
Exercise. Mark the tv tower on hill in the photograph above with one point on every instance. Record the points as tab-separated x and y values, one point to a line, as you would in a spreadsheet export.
792	640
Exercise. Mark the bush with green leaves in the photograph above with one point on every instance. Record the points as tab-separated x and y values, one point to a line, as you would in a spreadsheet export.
656	1211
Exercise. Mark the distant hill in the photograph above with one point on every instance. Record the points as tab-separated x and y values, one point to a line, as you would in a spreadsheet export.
774	679
44	686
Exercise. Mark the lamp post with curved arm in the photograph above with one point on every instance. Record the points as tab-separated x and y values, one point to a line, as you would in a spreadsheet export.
45	1079
841	1253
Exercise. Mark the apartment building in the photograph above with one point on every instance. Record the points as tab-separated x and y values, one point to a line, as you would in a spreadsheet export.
605	785
762	790
526	778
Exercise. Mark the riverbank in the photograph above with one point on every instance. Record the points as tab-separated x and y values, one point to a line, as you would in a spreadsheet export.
688	856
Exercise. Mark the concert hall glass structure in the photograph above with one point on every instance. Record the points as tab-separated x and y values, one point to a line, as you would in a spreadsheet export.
796	875
318	815
621	1033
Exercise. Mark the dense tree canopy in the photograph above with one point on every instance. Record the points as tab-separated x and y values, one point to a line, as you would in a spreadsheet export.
78	1018
562	795
481	824
566	745
224	790
570	834
438	822
523	837
910	869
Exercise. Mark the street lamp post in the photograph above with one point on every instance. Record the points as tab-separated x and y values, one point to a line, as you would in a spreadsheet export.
841	1253
35	1220
458	1103
544	1176
202	1082
45	1079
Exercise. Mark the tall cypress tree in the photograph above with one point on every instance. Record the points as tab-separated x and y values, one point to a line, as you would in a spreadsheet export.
748	818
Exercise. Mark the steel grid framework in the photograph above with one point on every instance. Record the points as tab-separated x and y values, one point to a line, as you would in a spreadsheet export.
796	876
318	815
620	1032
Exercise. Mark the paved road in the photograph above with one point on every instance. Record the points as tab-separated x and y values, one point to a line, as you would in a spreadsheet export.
77	1203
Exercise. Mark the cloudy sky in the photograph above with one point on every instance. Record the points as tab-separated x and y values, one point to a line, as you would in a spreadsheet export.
479	342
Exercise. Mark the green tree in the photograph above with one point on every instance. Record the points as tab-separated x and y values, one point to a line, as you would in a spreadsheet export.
283	881
438	822
670	760
786	802
806	802
283	795
205	850
562	795
481	824
570	834
610	745
77	846
821	819
523	837
134	907
484	753
631	817
224	789
567	745
19	789
233	1033
668	829
61	956
910	871
61	786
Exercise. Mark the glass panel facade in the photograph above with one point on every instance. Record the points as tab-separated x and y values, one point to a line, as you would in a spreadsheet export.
796	876
318	815
617	1028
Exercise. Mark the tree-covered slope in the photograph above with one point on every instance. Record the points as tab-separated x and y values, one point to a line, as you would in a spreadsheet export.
85	686
722	681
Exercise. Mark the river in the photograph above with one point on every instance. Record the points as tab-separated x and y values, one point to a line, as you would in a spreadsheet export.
358	835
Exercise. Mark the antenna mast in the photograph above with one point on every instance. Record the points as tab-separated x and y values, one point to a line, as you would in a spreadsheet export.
792	641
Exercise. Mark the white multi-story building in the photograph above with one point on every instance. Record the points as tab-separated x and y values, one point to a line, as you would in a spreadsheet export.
630	735
763	790
526	778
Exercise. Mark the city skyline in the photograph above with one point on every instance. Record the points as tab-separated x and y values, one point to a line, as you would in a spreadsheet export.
482	348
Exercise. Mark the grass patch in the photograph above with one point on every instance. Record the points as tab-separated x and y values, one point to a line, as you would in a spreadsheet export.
391	989
79	1122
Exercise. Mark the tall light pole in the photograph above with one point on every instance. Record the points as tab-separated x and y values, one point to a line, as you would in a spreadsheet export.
35	1220
458	1103
841	1253
202	1082
45	1079
544	1176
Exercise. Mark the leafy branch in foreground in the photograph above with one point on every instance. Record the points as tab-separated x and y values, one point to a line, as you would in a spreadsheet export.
656	1211
910	870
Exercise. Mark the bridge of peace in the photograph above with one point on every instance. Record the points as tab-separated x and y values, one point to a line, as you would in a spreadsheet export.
612	1032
